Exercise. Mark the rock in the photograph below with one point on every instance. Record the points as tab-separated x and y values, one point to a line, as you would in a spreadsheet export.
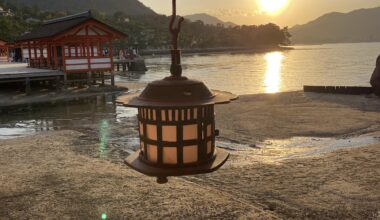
375	79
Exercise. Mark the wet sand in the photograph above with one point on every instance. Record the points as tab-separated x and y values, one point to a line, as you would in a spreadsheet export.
14	98
44	176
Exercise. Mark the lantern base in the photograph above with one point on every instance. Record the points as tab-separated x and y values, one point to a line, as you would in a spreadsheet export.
135	163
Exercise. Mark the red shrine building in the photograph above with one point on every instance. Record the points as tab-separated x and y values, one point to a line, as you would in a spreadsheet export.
3	51
73	44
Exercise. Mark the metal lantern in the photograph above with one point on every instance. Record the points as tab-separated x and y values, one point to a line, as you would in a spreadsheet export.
176	123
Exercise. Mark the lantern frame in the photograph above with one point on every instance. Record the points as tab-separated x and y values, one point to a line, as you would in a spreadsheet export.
187	131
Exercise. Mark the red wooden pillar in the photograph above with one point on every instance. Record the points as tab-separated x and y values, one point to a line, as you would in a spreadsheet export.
76	50
55	51
64	64
88	55
111	51
63	57
41	54
100	52
81	50
52	49
92	50
69	50
30	54
48	51
111	57
35	53
89	71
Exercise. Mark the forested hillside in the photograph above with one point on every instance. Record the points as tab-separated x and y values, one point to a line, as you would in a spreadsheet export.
150	30
131	7
357	26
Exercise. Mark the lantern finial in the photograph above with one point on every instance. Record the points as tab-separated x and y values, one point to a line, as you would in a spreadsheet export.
176	68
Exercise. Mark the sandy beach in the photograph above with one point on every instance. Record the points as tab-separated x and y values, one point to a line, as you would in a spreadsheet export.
47	176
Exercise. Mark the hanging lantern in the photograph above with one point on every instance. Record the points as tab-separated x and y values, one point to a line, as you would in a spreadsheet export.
176	123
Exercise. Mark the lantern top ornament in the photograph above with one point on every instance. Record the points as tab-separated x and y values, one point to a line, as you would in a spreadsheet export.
176	90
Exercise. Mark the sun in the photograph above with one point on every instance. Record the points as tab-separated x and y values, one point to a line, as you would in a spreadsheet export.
272	6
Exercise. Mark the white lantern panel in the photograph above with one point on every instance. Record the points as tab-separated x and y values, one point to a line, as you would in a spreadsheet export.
151	131
188	116
170	115
169	133
141	128
209	147
190	154
152	153
148	114
154	114
176	115
170	155
183	114
209	130
163	115
190	132
143	113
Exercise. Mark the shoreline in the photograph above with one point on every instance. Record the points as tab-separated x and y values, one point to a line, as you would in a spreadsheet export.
63	174
51	97
150	53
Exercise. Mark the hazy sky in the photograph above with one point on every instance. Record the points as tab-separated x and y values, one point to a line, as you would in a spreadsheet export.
248	12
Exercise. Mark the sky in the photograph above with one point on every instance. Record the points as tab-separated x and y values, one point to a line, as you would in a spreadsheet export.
249	11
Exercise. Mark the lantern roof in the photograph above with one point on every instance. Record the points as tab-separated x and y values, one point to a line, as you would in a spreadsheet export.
176	92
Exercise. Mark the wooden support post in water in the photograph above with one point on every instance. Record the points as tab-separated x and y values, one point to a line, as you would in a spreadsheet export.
124	67
111	57
118	67
103	79
58	83
65	80
112	79
89	78
30	54
27	86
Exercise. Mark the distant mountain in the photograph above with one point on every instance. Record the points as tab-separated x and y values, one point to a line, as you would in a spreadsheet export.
208	19
361	25
130	7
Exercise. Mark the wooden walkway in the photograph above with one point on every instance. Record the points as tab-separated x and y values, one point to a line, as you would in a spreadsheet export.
20	72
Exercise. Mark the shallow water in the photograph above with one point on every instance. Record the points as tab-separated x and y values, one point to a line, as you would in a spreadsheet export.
277	150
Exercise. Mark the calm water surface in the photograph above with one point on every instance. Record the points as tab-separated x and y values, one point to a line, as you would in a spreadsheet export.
330	64
105	122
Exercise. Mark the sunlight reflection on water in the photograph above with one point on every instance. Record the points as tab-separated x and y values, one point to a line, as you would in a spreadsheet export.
103	138
273	73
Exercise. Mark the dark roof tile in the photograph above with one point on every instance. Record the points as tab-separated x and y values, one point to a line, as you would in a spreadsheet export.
57	26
